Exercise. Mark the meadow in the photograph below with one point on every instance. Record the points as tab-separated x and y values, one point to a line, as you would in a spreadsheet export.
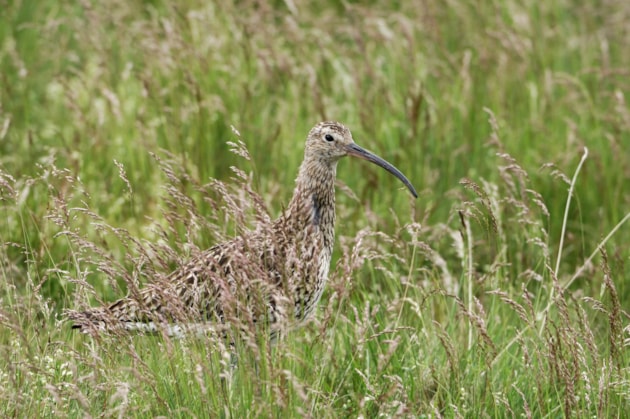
135	134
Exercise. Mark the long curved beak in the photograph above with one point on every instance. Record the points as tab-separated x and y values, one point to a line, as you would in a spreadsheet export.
356	151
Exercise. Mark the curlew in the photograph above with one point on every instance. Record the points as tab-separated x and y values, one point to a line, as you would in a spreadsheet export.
273	274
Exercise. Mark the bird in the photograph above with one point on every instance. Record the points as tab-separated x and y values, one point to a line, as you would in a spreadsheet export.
275	273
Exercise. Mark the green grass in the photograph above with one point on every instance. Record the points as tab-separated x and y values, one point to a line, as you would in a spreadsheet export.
116	116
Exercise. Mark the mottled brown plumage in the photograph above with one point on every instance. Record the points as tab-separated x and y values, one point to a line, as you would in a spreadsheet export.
276	272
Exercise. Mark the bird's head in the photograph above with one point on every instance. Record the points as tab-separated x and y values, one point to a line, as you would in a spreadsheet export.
327	142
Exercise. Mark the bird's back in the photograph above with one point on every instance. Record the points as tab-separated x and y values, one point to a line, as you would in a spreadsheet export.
275	274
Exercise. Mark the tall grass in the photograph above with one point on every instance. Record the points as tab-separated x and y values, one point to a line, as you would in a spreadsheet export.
483	297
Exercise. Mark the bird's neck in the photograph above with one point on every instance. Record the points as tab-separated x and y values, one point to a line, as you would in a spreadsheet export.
313	202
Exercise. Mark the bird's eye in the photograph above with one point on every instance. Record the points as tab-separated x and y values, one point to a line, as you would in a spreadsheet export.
329	137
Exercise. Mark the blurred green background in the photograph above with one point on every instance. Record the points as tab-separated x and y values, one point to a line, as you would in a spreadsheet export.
89	83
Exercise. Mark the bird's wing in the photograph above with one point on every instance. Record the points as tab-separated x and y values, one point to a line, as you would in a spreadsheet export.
219	279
